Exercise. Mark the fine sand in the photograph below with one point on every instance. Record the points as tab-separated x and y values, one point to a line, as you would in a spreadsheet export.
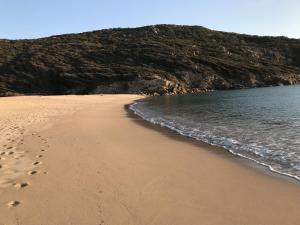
84	160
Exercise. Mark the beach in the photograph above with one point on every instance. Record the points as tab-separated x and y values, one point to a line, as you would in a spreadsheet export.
88	160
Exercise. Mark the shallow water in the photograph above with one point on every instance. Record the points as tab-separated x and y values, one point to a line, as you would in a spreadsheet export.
260	124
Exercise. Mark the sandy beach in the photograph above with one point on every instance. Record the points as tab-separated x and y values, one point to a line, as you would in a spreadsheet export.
85	160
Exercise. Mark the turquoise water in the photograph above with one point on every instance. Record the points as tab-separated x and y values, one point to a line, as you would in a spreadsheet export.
261	124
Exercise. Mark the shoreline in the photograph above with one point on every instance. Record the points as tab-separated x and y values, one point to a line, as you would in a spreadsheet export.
100	165
246	159
219	151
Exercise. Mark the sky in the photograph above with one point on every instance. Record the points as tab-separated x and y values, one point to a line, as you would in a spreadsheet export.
22	19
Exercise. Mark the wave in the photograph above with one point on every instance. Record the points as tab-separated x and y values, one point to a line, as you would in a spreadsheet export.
253	152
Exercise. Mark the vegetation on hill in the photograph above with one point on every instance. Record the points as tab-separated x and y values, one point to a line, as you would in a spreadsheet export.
152	60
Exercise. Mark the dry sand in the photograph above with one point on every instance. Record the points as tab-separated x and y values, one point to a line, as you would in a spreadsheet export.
82	160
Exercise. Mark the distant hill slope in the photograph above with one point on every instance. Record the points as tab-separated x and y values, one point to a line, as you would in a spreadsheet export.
154	59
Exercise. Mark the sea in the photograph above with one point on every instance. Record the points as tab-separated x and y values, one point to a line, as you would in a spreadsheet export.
260	124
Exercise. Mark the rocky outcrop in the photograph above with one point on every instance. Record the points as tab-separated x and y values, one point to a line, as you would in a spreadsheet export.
162	59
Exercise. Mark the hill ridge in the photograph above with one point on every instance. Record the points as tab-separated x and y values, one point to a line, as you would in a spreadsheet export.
154	59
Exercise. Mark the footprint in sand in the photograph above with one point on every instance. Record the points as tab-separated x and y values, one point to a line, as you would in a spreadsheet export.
32	172
21	185
38	156
36	163
13	204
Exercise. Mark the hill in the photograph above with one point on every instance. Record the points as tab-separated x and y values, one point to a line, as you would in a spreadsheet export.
157	59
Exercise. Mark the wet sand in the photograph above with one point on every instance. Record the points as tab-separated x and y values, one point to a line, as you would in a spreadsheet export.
85	160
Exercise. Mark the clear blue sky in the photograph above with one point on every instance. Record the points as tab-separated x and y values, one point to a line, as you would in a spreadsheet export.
40	18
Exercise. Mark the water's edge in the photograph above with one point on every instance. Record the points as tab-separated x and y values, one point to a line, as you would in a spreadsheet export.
265	165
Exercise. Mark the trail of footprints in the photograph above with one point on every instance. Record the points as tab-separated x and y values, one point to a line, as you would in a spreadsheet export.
9	152
12	127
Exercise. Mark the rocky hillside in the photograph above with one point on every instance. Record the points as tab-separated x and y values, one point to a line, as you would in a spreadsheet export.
154	59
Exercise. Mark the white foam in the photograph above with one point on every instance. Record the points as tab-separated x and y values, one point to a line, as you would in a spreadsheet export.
231	145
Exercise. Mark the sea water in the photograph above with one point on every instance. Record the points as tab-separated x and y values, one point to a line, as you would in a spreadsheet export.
261	124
